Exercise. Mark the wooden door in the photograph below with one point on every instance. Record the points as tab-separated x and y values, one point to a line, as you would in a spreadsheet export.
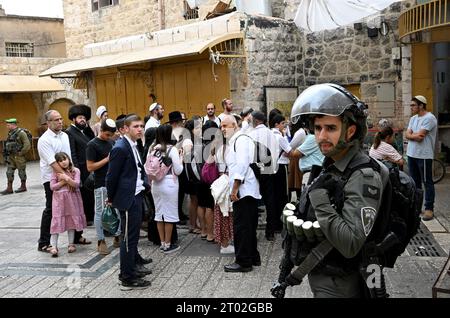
122	93
422	76
189	86
62	106
20	106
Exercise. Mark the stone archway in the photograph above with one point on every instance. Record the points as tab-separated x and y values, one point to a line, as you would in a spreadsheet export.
62	105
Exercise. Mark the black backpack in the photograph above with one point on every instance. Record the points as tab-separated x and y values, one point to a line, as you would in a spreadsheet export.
398	217
193	168
29	135
263	158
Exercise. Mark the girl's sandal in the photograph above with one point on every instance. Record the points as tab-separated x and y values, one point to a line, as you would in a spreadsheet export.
72	248
54	252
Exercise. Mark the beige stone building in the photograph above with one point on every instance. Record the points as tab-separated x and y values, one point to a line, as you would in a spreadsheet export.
28	46
129	49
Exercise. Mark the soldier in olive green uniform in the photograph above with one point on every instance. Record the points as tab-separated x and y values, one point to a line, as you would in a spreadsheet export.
338	120
16	146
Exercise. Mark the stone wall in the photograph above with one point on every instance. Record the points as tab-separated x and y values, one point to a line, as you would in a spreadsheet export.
273	52
46	34
129	17
27	65
278	8
82	26
348	56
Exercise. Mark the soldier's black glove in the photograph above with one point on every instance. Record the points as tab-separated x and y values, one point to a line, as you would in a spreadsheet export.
292	281
166	160
279	289
324	181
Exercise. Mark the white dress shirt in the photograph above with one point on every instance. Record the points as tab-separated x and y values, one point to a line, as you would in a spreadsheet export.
264	136
246	127
139	182
152	122
48	145
298	139
284	146
217	120
238	163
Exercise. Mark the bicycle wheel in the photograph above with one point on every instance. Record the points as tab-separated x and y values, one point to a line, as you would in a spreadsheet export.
438	170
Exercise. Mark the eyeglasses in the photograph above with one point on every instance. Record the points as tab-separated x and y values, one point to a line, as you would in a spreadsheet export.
57	119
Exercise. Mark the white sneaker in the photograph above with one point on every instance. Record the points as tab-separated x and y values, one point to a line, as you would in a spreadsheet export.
227	250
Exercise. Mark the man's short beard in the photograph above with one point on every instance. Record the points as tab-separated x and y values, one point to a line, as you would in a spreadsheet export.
80	125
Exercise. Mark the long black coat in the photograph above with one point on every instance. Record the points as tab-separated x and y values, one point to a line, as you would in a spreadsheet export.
78	142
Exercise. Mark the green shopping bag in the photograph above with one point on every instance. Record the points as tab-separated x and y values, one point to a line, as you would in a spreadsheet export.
110	220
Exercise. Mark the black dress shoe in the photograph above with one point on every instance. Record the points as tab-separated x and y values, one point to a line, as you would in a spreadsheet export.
141	270
256	263
235	267
146	261
142	274
138	283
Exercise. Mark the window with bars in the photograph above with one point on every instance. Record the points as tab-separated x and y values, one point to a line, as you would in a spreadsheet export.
190	14
19	49
98	4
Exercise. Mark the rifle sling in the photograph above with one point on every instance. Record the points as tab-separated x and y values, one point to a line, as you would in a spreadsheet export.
314	257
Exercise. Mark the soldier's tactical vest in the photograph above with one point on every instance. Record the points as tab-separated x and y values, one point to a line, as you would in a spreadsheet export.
334	263
12	144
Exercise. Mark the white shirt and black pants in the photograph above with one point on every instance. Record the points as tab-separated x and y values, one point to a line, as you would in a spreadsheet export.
281	186
48	145
245	210
267	140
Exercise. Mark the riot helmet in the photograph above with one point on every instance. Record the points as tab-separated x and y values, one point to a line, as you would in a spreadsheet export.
331	100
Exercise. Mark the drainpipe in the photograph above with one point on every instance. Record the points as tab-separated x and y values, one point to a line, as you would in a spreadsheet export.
161	14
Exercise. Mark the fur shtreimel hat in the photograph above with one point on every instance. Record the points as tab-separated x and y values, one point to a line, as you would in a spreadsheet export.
76	110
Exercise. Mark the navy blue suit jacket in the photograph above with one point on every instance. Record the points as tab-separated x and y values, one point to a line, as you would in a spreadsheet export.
121	175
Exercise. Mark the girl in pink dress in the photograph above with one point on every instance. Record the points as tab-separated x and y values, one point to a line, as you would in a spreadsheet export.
67	205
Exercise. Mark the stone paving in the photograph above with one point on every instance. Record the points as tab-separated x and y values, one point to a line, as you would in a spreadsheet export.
195	271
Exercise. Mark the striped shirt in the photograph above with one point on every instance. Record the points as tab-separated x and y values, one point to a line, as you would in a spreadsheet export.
385	151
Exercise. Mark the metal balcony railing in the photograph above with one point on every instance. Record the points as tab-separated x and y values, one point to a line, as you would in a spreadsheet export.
424	16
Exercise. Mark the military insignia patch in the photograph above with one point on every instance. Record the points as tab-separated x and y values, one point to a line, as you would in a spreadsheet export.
371	192
368	215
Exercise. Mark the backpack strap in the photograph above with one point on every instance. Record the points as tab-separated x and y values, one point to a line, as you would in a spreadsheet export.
16	134
234	146
358	165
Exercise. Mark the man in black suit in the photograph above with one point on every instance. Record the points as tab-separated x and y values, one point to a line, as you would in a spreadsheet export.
80	133
126	183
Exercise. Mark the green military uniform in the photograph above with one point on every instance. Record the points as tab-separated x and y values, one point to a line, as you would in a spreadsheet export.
16	146
346	231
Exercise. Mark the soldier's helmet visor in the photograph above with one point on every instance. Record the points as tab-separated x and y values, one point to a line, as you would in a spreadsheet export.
322	99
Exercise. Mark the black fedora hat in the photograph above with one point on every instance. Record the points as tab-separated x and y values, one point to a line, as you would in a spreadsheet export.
175	117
